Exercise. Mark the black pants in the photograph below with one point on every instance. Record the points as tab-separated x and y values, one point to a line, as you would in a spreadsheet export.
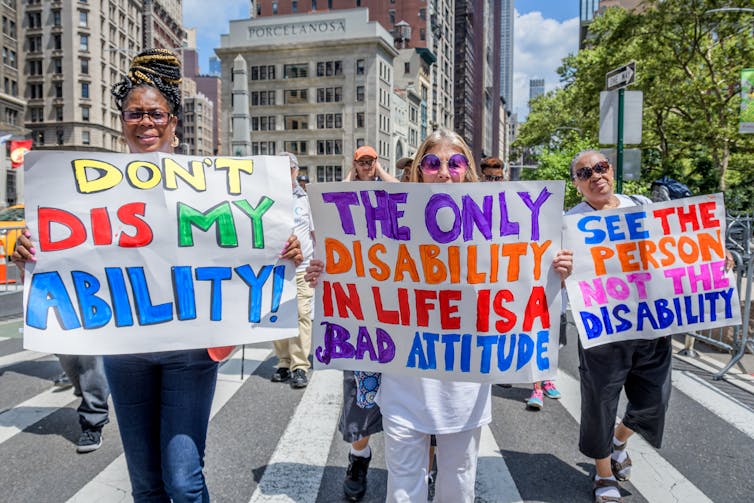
642	368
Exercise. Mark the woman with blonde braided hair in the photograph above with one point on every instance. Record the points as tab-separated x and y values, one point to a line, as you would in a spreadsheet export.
162	400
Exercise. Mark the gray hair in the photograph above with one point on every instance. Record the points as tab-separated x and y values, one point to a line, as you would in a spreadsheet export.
578	156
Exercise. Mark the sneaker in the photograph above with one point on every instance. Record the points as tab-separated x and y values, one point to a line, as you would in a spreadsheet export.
90	440
298	379
550	391
62	381
535	400
355	483
282	374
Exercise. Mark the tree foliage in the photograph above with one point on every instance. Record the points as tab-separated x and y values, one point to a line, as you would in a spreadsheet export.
688	67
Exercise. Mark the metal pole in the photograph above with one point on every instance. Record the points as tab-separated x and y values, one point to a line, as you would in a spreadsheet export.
619	159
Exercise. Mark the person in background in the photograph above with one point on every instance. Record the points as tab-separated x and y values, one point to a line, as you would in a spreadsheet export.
493	170
293	353
403	166
163	399
414	408
303	181
366	167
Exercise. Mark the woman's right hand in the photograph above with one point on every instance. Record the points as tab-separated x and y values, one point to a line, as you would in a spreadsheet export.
313	271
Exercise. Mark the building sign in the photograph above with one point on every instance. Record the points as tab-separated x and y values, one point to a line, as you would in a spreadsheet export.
297	29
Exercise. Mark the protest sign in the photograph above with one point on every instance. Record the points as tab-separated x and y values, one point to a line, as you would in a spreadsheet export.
154	252
450	281
647	271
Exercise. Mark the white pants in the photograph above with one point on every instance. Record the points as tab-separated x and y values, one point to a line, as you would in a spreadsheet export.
407	459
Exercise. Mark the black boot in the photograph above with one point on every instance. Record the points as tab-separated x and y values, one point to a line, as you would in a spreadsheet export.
355	483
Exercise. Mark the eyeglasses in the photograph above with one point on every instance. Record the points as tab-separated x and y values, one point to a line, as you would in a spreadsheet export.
586	172
158	117
457	164
365	163
494	178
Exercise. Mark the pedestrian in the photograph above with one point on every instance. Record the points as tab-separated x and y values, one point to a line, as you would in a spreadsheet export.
162	400
403	166
365	167
415	408
493	170
293	353
303	181
640	367
85	373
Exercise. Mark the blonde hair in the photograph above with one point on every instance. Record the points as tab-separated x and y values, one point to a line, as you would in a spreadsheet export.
447	137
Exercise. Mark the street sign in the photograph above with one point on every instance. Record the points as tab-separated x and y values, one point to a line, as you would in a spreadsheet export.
631	118
621	77
631	161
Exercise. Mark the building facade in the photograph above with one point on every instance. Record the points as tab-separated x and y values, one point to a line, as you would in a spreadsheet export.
507	17
536	88
320	99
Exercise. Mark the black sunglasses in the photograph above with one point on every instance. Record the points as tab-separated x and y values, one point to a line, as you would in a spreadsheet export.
586	172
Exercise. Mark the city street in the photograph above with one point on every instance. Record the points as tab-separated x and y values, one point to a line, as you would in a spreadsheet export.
268	442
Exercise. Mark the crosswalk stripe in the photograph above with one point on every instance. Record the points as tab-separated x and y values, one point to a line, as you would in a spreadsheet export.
716	401
19	357
20	417
494	482
112	485
306	440
651	474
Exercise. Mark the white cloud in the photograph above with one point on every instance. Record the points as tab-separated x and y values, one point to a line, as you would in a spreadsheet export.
539	45
209	18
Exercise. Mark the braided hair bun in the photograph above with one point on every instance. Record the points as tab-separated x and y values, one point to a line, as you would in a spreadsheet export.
158	68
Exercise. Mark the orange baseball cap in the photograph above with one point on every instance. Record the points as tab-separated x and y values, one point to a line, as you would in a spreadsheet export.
365	151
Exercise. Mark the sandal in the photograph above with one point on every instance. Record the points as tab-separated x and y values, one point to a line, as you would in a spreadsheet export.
621	471
598	484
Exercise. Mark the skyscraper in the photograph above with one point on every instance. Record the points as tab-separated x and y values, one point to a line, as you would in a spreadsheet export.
536	88
507	16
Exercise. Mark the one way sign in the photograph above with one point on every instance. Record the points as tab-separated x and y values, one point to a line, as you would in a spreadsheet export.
621	77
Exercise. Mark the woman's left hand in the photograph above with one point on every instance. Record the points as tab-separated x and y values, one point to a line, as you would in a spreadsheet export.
292	250
729	261
563	263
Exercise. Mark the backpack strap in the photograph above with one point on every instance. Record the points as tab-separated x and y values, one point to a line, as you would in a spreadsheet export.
637	201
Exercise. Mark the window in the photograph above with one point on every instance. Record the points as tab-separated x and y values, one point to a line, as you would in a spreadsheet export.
294	9
58	90
35	67
56	19
359	119
407	67
423	14
39	137
329	121
296	71
59	112
264	123
57	65
263	72
296	122
422	34
11	116
391	14
329	147
83	18
85	89
35	91
296	147
293	96
329	68
262	98
274	7
329	173
84	45
85	114
35	43
263	148
57	42
85	137
85	67
359	93
61	136
35	20
36	114
329	94
360	65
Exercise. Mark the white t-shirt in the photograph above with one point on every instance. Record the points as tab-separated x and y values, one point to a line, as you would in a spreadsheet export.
623	200
432	406
303	225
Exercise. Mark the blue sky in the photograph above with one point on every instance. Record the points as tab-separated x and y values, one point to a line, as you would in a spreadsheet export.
545	32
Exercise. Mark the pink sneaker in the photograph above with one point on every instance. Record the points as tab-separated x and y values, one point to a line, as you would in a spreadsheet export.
550	390
535	400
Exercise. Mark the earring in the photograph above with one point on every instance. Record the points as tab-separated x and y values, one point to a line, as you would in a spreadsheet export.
175	141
